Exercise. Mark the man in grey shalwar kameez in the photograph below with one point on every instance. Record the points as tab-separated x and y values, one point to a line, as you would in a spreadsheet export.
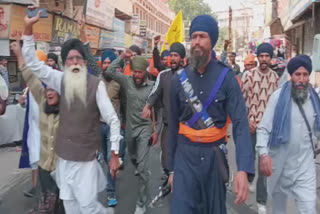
286	149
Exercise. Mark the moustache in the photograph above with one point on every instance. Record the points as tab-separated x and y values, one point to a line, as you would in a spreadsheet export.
75	67
304	85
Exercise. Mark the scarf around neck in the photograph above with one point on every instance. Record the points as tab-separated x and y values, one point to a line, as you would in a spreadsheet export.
280	133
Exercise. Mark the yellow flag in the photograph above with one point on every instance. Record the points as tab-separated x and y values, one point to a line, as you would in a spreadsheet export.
163	47
175	32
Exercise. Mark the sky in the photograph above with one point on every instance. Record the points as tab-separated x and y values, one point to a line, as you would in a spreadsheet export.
222	5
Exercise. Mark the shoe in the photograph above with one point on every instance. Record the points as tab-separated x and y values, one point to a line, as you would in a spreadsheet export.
121	164
112	202
164	177
252	187
262	209
30	193
140	210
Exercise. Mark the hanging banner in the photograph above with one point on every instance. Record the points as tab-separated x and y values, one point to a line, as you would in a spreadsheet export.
106	38
4	20
64	29
100	13
118	34
93	35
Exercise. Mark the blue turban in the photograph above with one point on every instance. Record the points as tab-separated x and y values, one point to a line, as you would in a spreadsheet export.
108	54
265	48
165	53
299	61
206	23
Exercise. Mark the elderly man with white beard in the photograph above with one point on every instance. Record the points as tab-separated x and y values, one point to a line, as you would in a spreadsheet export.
288	140
83	100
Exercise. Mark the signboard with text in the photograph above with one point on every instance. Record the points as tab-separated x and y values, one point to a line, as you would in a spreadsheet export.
143	28
17	22
106	38
42	30
99	13
93	35
64	29
119	33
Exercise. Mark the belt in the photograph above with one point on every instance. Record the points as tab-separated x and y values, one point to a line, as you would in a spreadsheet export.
208	135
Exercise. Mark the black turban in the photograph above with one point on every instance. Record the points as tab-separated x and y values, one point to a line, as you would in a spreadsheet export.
135	49
53	57
178	48
72	44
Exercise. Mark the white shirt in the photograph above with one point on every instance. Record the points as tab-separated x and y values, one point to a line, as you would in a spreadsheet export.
34	137
53	78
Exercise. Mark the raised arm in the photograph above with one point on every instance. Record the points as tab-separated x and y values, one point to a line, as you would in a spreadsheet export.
34	84
118	76
45	73
90	58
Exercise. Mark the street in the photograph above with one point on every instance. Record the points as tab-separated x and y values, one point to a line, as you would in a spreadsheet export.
16	181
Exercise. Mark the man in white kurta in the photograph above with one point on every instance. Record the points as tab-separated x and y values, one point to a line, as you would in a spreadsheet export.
83	100
291	170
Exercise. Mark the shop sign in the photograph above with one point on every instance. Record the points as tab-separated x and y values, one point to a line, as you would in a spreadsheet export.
93	35
106	38
135	24
42	30
100	13
137	41
118	34
127	40
17	22
143	28
64	29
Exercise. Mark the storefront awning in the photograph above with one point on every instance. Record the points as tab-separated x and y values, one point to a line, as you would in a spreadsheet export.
295	25
121	15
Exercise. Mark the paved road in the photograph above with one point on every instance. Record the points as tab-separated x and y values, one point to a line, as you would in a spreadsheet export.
14	202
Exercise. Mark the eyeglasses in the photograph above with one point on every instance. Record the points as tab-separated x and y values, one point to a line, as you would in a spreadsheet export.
72	58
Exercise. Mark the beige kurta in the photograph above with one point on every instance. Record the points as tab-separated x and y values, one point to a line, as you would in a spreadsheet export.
48	122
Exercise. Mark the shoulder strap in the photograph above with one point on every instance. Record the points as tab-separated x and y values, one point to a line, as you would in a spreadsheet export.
211	97
308	126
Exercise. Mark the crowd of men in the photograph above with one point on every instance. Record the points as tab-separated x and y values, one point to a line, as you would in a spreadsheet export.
83	114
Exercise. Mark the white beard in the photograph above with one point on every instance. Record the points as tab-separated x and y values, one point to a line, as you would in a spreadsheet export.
75	84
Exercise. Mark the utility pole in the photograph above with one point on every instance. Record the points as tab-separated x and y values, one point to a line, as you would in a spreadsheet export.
230	30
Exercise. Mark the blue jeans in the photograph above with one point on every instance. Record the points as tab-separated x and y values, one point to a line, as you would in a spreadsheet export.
106	152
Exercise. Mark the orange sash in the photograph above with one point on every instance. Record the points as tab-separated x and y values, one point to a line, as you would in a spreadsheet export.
208	135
